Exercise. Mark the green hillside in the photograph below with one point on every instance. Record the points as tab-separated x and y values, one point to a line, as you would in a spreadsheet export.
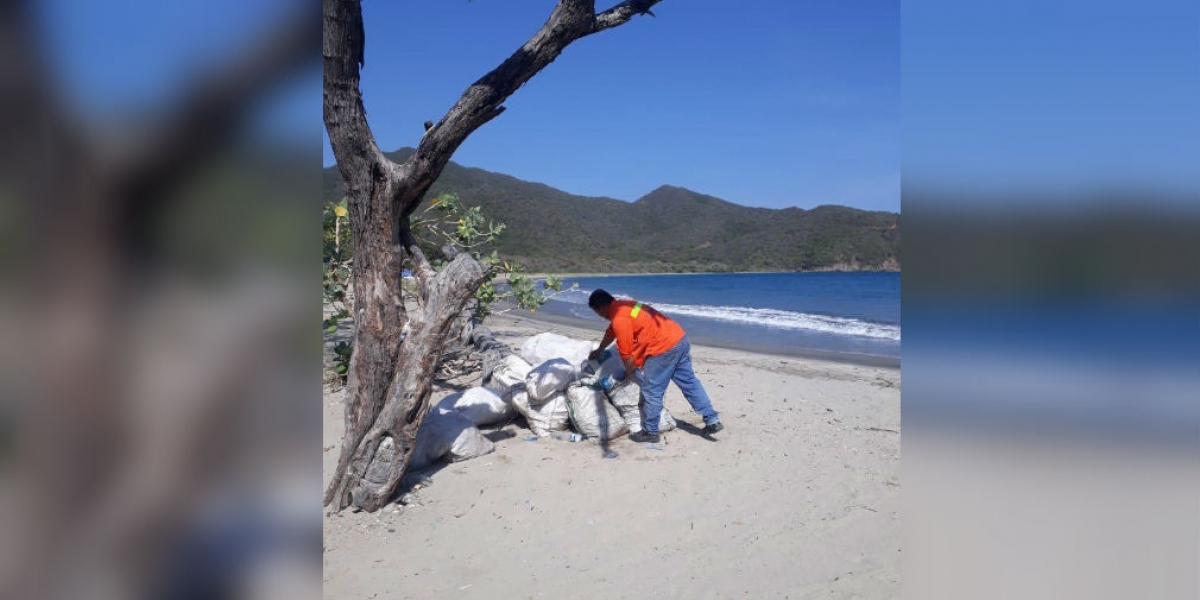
671	229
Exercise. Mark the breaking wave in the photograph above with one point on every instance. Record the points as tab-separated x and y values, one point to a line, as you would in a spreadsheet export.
768	317
785	319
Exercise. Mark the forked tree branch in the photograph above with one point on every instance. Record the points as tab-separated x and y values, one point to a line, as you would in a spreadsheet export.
216	107
383	195
40	135
422	270
345	118
623	12
484	99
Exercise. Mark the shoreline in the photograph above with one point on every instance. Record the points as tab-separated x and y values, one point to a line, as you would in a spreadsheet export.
565	275
843	358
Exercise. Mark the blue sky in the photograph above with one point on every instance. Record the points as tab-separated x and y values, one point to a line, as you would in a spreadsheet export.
761	103
766	104
117	56
1052	95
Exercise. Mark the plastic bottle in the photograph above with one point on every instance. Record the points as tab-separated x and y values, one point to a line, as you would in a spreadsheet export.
607	383
567	436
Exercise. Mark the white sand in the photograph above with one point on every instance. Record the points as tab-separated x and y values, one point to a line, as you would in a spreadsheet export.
798	498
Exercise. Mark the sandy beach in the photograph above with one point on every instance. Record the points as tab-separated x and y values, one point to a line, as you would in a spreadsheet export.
798	498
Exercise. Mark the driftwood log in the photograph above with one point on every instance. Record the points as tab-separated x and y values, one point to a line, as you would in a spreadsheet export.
490	351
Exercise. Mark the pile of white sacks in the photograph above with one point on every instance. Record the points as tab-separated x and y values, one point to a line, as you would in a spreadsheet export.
551	396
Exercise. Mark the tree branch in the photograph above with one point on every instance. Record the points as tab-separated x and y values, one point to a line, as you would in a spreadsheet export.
623	12
345	118
40	135
216	107
422	270
482	101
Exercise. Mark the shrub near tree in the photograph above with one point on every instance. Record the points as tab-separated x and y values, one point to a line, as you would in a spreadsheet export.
457	228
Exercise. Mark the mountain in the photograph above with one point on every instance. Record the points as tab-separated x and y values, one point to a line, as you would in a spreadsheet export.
671	229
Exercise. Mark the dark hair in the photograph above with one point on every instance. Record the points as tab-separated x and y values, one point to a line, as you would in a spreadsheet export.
600	298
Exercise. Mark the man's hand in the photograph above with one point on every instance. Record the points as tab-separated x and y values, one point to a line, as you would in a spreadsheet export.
604	342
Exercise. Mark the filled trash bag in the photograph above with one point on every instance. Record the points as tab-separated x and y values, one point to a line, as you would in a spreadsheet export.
448	434
548	346
627	398
479	405
593	415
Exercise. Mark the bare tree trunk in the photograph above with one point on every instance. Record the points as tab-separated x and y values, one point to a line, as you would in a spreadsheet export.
395	353
384	450
378	310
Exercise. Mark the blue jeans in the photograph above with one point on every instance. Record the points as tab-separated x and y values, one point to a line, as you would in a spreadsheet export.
673	365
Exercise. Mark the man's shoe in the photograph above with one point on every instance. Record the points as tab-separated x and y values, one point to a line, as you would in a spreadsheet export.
643	437
715	427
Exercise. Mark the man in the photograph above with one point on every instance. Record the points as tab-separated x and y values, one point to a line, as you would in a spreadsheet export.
648	340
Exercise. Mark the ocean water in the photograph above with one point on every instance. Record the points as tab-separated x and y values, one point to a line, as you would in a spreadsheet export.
789	313
1118	370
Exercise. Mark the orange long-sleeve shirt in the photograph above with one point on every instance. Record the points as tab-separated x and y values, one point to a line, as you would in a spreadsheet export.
650	333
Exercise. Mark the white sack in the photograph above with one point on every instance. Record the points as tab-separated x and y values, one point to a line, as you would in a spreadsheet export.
447	433
610	364
592	414
627	398
508	377
479	405
548	378
547	417
547	346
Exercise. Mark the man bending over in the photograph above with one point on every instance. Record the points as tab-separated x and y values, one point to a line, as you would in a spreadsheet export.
649	340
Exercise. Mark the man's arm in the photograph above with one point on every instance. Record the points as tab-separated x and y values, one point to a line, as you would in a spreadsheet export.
628	360
604	342
609	336
623	331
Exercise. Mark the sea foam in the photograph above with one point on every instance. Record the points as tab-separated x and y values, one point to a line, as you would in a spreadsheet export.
767	317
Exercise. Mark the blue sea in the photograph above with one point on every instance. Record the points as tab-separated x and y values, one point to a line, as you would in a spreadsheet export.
1118	369
840	315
